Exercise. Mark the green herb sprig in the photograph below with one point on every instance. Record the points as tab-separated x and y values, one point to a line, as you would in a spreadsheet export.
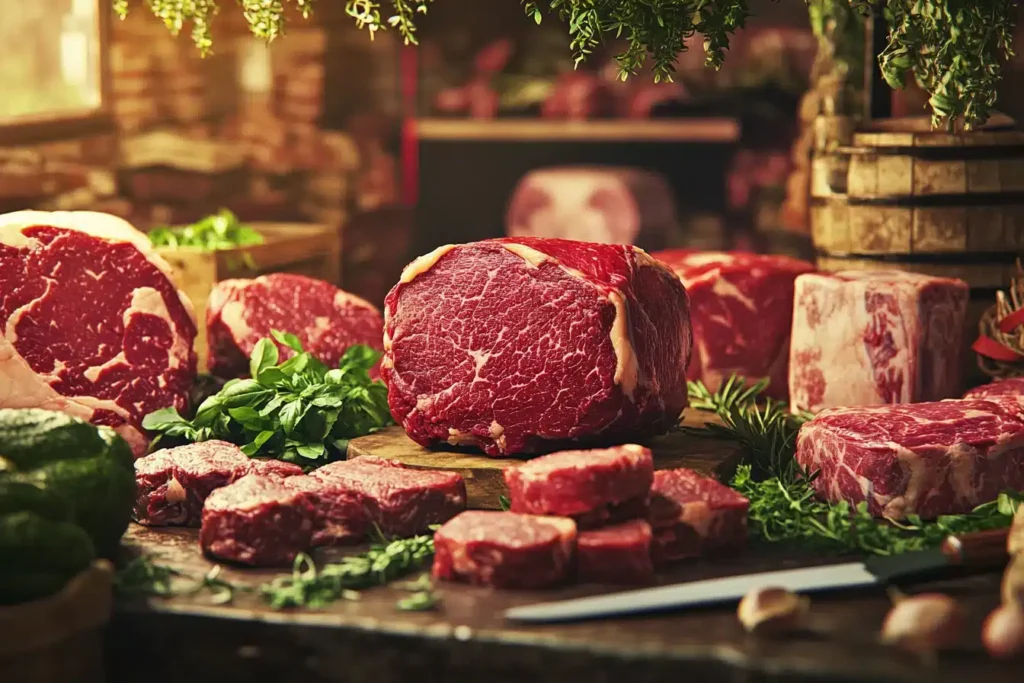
144	576
783	505
297	410
311	588
219	231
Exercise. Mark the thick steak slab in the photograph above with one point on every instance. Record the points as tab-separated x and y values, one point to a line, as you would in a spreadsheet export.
505	549
929	459
693	515
866	338
400	501
615	554
520	345
591	486
741	308
1012	387
172	484
326	320
90	323
257	521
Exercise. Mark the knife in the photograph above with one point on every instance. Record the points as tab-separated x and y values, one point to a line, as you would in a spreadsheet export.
974	551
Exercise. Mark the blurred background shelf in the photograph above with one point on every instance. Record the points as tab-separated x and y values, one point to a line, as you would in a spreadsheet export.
705	130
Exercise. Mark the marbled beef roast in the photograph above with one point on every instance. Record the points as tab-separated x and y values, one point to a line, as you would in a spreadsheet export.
327	320
1011	387
90	322
516	345
929	459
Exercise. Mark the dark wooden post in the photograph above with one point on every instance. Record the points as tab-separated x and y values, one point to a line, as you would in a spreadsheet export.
877	93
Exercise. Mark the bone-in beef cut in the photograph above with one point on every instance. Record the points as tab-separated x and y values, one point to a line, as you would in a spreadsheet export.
1012	387
525	345
694	515
172	484
615	554
401	501
505	549
929	459
593	204
257	521
326	320
90	322
741	309
592	486
868	338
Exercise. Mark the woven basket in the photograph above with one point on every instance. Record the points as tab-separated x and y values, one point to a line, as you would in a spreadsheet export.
58	639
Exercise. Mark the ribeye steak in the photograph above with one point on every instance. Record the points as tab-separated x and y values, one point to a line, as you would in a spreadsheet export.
615	554
91	322
929	459
505	549
401	501
589	486
172	484
522	345
326	320
258	521
741	309
694	515
1011	387
873	337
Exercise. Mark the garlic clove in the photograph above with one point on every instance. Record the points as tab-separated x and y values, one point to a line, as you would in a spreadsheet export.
924	623
1003	631
1013	582
772	611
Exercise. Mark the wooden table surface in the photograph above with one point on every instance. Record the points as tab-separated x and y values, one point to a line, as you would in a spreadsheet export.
187	639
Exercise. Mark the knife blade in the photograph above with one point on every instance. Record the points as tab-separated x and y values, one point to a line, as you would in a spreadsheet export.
979	550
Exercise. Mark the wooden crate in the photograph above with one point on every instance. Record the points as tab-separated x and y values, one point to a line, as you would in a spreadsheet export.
303	248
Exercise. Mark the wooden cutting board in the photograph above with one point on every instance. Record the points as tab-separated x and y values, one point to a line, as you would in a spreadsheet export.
484	481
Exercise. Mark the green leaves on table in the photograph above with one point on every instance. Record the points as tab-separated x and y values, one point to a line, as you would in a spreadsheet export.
297	410
222	230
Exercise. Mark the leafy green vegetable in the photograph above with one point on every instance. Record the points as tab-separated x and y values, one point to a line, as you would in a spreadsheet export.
297	410
783	506
89	468
219	231
384	562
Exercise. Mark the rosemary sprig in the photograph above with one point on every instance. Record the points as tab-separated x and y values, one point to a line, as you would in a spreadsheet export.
143	576
314	588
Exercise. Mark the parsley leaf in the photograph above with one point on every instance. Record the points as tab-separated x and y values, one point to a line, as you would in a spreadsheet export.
297	410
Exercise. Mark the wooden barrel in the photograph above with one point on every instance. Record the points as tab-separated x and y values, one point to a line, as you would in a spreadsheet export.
932	202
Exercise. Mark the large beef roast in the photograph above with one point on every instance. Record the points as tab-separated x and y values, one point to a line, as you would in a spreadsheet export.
327	320
741	306
517	345
930	459
90	323
865	338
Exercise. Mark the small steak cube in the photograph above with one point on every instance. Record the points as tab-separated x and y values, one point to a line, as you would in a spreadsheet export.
592	486
340	516
869	338
257	521
616	554
172	484
693	515
401	501
504	549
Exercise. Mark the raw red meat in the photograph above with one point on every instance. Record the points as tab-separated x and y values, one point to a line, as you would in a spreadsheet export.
741	309
589	486
401	501
694	515
865	338
173	484
504	549
257	521
326	320
616	554
91	322
609	205
578	96
522	345
929	459
339	514
1012	387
